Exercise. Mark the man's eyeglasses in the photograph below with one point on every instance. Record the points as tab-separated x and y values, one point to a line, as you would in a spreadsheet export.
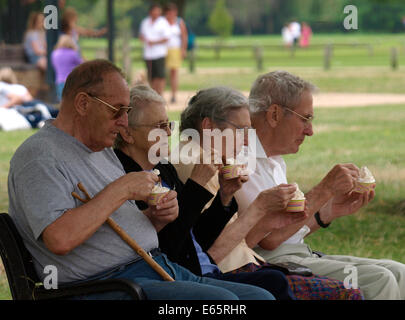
307	120
118	112
163	125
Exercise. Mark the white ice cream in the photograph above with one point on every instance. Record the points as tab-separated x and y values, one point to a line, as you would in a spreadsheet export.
298	195
159	189
365	176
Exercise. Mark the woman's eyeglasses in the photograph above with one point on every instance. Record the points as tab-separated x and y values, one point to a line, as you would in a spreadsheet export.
163	125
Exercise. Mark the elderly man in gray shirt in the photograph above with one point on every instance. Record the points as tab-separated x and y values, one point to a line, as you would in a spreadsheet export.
59	230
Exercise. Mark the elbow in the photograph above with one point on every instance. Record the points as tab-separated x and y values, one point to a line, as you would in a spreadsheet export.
56	245
269	244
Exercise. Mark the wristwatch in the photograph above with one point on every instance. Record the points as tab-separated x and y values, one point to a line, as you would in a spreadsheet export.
319	221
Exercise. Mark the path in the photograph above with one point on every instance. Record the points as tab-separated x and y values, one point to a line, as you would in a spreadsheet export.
321	100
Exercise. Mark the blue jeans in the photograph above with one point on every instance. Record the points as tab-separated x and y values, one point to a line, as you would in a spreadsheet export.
272	280
187	286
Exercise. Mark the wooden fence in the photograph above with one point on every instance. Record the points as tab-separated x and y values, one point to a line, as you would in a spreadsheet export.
127	52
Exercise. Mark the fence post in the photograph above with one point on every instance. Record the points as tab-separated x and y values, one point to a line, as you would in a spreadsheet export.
191	60
394	58
327	56
126	54
258	53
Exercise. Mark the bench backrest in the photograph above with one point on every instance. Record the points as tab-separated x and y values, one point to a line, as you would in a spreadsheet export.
17	260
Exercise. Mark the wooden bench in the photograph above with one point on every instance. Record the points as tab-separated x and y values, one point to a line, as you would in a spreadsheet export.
13	56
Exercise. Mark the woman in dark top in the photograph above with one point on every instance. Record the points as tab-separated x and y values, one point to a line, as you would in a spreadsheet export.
187	238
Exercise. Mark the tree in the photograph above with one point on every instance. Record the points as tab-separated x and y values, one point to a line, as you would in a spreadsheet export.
220	21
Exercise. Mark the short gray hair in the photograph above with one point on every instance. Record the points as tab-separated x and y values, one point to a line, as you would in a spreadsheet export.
141	96
277	87
214	103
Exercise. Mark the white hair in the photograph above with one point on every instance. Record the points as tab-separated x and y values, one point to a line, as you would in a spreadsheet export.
277	87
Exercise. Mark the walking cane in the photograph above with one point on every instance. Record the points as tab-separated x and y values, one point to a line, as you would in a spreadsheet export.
124	236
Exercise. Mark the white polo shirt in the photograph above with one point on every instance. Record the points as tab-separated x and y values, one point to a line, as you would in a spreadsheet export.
269	172
155	31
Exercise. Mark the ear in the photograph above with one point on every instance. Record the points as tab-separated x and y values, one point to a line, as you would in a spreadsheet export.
126	135
274	115
81	103
206	123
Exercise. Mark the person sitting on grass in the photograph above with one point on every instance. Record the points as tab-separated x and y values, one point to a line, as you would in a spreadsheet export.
281	108
16	96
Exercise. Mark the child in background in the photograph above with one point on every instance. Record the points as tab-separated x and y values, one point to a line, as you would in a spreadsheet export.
65	58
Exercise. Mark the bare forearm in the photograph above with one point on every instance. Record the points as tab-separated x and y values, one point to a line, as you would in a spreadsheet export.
316	198
232	235
75	226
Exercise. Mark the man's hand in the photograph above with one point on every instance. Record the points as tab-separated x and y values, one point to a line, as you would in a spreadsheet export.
341	179
166	211
229	187
345	204
138	185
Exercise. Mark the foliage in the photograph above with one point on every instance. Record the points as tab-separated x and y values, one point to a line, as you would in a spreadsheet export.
220	20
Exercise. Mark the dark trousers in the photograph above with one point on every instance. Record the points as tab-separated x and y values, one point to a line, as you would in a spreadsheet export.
273	281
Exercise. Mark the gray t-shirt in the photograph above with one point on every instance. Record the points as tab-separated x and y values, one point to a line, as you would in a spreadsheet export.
44	171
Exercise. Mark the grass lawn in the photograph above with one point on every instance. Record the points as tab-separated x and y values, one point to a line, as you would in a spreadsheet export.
372	136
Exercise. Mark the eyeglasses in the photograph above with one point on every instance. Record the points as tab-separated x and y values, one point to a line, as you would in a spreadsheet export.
245	129
307	120
118	112
163	125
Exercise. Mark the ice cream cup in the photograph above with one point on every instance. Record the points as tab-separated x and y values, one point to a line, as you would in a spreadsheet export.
296	205
155	197
363	187
230	171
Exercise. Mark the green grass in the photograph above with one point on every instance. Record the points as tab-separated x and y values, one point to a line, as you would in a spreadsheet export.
354	68
372	136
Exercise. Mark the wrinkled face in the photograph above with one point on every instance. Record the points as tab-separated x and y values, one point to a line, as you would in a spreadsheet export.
236	120
149	119
292	129
102	123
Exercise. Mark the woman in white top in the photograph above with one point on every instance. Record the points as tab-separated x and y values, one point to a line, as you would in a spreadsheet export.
177	46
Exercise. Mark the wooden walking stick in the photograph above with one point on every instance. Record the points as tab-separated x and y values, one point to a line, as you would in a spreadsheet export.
124	236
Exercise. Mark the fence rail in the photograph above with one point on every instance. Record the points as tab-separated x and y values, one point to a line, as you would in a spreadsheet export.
258	51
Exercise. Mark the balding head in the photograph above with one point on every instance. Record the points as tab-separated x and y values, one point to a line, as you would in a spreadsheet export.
88	77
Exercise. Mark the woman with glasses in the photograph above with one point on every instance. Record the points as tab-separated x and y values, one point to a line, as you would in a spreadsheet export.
186	239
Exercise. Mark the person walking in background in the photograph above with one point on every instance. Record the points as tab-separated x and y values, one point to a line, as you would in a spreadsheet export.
295	28
34	41
177	46
69	26
65	58
155	33
306	34
287	36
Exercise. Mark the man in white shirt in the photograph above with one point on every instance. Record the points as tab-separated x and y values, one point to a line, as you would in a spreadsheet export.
281	112
155	33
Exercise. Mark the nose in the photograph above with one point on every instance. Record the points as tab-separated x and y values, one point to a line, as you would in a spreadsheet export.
169	131
308	131
123	120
